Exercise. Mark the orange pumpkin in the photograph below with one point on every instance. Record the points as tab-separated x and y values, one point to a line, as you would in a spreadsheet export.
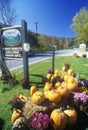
71	79
46	93
23	97
47	86
65	93
17	113
33	89
49	76
56	72
72	115
57	84
56	75
59	119
73	87
38	97
70	71
64	68
66	77
54	95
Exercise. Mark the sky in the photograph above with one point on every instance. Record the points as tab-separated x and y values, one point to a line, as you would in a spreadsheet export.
53	17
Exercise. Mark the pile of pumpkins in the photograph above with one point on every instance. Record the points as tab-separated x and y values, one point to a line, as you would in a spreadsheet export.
58	87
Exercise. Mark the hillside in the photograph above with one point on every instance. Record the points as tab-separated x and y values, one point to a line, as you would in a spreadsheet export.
40	42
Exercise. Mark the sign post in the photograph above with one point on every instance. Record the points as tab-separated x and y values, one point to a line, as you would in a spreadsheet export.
53	57
13	45
5	71
25	50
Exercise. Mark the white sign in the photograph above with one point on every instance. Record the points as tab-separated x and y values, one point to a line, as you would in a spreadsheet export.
26	47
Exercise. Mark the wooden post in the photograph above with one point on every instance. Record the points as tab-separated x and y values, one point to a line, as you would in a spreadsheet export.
53	59
25	54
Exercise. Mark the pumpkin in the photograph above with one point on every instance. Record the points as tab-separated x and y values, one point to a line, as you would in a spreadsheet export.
71	79
64	68
70	71
64	91
54	95
56	72
33	89
56	75
57	84
49	76
38	97
66	77
62	74
54	79
23	97
59	119
73	87
72	115
47	86
46	93
16	113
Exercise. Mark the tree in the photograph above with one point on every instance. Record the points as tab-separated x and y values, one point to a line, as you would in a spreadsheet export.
43	43
7	12
80	25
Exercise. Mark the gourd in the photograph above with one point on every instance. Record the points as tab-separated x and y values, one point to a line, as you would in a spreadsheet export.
64	91
66	77
58	84
38	97
23	97
73	87
70	71
49	76
16	113
71	79
47	86
59	119
57	72
72	115
64	68
33	89
54	96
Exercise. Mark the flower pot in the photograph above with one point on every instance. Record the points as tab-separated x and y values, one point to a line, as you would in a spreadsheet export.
83	108
20	128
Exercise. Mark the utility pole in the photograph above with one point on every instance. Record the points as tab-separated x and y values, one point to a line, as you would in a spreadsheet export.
36	25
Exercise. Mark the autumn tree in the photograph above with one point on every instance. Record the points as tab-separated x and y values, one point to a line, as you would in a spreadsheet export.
43	42
7	12
80	25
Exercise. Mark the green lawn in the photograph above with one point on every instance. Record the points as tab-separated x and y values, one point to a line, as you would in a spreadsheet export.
7	92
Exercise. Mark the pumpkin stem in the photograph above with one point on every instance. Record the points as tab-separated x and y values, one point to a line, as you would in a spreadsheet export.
68	107
18	111
61	109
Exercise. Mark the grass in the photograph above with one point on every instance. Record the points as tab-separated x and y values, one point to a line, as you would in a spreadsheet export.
7	92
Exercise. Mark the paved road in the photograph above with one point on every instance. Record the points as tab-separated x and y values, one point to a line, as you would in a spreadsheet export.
17	63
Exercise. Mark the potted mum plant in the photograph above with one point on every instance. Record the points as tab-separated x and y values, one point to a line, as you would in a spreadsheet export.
16	103
24	83
40	121
80	99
